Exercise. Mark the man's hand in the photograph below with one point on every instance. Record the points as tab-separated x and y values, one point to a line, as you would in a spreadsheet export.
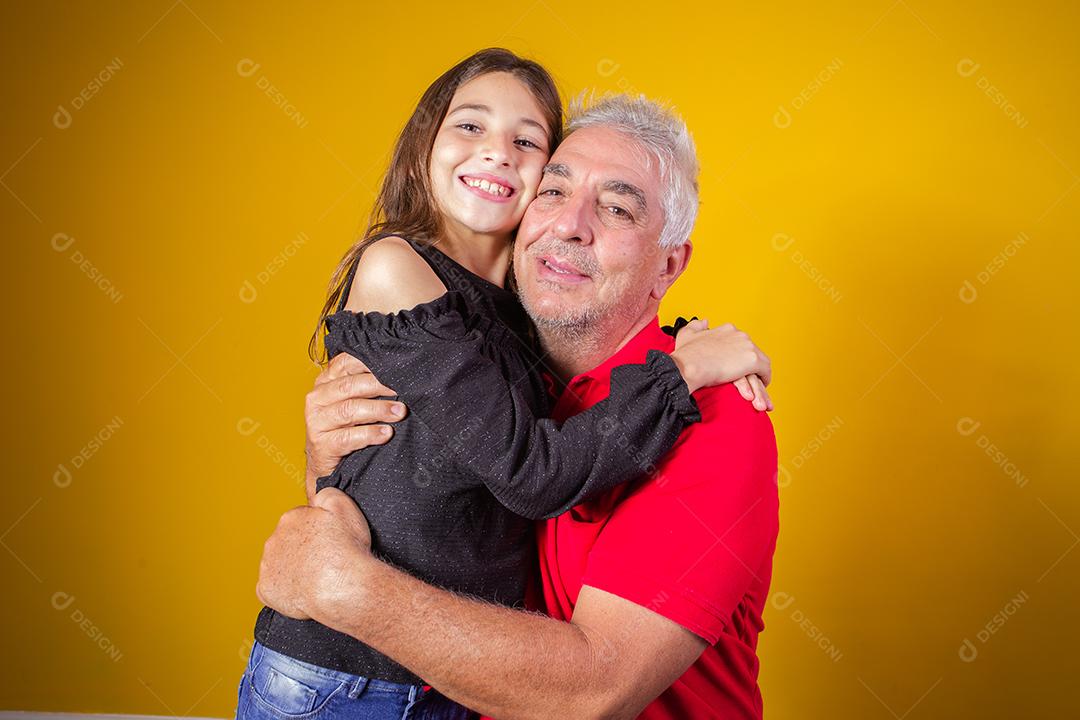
310	562
341	415
610	661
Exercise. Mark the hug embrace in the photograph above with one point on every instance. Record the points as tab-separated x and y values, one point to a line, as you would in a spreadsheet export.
526	499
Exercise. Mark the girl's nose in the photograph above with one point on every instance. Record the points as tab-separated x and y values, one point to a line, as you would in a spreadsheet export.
496	153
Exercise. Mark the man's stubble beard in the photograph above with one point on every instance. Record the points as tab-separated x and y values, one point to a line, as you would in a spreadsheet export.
585	329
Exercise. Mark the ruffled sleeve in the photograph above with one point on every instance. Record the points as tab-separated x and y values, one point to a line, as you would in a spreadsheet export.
434	355
446	319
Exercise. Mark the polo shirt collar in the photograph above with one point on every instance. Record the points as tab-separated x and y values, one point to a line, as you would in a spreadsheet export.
650	337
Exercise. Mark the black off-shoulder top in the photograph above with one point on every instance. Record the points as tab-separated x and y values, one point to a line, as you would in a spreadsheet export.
453	497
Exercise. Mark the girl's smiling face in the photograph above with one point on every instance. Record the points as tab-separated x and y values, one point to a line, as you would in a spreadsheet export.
489	155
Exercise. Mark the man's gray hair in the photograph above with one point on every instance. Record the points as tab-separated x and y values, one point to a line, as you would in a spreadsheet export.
664	135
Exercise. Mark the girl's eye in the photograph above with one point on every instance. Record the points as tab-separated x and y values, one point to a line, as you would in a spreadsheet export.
527	143
469	127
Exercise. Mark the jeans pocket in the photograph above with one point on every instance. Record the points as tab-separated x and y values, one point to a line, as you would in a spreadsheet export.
290	690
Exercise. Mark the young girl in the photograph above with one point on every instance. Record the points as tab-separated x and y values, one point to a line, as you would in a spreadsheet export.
422	299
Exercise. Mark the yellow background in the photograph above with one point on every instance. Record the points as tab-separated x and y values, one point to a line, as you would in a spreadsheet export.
840	235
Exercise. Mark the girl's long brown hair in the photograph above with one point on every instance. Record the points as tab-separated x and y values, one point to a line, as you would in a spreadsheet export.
405	205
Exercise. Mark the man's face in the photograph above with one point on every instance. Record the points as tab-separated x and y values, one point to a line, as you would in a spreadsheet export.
587	249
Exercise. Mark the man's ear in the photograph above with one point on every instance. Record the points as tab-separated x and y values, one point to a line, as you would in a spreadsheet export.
675	262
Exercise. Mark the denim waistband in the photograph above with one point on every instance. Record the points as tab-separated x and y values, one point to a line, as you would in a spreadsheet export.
357	683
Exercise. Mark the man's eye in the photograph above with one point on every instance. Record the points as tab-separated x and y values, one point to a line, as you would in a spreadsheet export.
550	192
469	127
618	211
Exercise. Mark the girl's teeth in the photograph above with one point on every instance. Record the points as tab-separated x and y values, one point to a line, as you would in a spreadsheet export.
488	187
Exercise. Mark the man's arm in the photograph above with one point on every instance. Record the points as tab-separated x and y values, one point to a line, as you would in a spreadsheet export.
343	413
610	661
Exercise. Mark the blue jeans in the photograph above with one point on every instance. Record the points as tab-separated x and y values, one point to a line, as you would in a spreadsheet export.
278	687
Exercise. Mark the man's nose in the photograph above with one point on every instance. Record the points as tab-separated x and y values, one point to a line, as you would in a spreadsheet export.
574	221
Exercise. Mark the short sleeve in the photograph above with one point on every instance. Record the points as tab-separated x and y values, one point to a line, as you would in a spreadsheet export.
698	537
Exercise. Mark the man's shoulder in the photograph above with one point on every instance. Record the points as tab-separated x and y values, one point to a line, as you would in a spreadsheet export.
724	413
732	449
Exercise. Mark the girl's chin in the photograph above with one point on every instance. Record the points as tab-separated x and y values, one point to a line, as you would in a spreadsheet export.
488	226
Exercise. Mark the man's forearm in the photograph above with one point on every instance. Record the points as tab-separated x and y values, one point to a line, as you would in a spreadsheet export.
502	662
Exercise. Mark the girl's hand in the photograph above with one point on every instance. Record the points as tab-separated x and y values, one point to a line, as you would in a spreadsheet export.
721	355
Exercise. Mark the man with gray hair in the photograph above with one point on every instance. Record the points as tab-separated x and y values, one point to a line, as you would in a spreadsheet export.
654	591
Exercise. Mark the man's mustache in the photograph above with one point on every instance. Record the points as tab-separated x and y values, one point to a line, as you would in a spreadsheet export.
572	253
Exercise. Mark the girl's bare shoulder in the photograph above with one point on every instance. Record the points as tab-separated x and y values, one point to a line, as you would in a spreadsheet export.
391	276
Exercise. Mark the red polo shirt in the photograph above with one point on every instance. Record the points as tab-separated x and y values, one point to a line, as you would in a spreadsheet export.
693	542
